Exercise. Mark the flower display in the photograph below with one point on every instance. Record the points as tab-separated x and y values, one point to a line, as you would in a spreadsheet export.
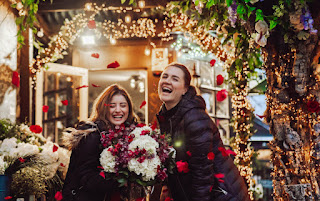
135	153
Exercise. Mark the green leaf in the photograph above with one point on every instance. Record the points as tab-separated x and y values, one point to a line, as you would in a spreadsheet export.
273	24
13	5
19	20
123	1
259	15
196	2
229	2
131	2
210	3
241	9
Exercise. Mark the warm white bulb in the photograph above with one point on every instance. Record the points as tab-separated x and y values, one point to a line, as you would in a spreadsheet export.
88	40
142	4
127	19
147	51
113	41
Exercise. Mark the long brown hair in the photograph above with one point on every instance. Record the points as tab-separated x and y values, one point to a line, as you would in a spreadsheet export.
100	108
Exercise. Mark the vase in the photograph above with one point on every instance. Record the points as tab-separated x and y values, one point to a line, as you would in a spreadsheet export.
4	186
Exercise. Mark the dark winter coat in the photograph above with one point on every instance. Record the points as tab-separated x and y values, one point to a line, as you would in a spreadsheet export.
193	130
83	182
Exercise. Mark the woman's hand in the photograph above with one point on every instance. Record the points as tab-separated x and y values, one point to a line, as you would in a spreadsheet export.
164	193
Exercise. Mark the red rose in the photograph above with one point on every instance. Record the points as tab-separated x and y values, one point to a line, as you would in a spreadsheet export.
113	65
168	199
189	153
143	104
55	148
182	166
221	95
313	106
58	195
212	62
45	108
64	102
15	79
210	156
219	79
95	55
92	24
8	198
35	129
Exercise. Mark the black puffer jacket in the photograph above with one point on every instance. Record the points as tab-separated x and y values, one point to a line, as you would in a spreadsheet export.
83	182
193	130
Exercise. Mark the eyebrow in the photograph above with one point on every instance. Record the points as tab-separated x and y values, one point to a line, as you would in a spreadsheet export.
172	75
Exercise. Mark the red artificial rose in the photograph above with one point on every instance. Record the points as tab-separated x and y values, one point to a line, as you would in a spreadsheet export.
211	188
189	153
168	199
45	108
222	95
219	79
313	106
15	79
225	152
94	85
35	129
143	104
162	136
182	166
62	165
8	198
64	102
212	62
102	174
58	195
219	176
154	125
55	148
91	24
141	125
210	156
83	86
22	160
95	55
113	65
100	167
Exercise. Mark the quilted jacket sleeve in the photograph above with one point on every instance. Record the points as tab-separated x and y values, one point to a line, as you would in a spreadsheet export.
200	136
88	162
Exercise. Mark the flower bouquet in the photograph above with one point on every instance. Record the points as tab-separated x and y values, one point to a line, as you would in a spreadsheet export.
135	156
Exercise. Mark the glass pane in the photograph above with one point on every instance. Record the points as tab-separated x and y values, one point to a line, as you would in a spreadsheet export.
63	81
50	101
63	105
209	99
50	82
222	108
61	125
49	130
206	74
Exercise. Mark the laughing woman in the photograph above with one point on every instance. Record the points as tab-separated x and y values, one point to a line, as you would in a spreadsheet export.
112	108
194	136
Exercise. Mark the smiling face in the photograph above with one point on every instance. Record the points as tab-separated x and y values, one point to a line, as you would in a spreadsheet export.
171	86
118	110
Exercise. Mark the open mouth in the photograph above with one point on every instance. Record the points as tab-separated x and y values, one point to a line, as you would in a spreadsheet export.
166	90
117	117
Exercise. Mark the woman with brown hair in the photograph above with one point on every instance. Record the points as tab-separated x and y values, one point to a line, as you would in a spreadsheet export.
111	109
196	140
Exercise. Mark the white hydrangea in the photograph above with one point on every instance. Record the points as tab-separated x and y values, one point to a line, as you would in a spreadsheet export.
261	40
26	149
3	165
137	131
107	160
47	155
64	158
144	142
25	129
147	169
8	145
262	27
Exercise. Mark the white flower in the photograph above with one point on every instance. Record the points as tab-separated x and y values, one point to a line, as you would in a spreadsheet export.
137	131
8	145
19	6
147	169
144	142
107	160
47	155
64	159
261	27
261	40
3	165
171	149
253	1
26	149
